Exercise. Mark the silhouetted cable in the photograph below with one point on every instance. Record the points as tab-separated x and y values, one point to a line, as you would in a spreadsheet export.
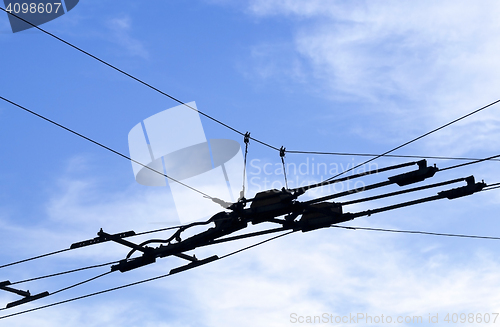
387	155
416	232
80	283
103	146
128	285
33	258
220	122
159	230
417	138
470	163
491	187
64	272
138	80
256	244
68	249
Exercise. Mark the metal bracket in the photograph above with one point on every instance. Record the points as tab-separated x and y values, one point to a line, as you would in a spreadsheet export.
101	239
27	296
193	264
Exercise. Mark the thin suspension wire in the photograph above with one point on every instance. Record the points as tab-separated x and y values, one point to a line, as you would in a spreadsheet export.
206	115
104	146
416	232
33	258
82	282
131	284
63	289
246	140
68	249
282	156
488	187
64	272
491	187
417	138
387	155
470	163
138	80
227	255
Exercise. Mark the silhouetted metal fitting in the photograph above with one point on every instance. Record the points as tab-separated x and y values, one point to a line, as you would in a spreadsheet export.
282	152
246	138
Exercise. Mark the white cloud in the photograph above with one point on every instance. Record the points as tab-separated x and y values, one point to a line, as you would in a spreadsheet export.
330	271
414	65
121	28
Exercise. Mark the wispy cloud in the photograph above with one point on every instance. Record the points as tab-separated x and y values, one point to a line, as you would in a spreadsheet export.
332	271
121	28
427	61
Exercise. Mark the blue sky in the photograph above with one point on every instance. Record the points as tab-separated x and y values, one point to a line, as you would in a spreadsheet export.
315	75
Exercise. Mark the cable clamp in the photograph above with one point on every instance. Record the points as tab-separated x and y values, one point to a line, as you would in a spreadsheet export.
246	137
282	152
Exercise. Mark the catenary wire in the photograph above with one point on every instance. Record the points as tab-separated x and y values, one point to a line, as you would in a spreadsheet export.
387	155
495	185
64	272
488	187
237	251
377	156
416	232
68	249
208	116
417	138
470	163
102	145
139	80
130	284
82	282
33	258
69	287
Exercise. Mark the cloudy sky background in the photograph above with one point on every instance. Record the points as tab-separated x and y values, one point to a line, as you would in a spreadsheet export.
335	76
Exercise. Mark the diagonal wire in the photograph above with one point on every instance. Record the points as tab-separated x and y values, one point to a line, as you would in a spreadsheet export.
131	284
82	282
138	80
416	232
417	138
103	146
33	258
386	155
68	249
206	115
470	163
64	272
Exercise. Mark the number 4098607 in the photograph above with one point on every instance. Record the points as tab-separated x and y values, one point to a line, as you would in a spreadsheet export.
33	8
471	318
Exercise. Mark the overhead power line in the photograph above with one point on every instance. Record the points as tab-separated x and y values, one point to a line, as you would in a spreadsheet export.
416	232
103	146
417	138
387	155
131	284
138	79
240	250
472	162
217	120
64	272
69	249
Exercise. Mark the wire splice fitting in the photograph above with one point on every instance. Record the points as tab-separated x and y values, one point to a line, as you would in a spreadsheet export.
246	138
282	152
